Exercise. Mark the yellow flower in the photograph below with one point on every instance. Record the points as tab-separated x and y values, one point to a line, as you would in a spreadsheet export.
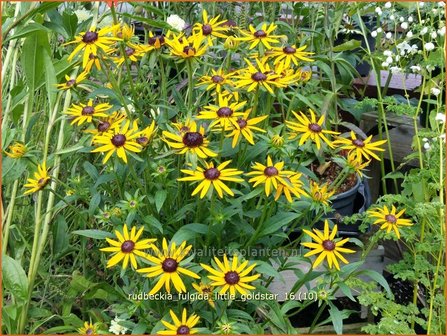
224	114
191	141
16	150
168	267
183	327
155	41
304	75
106	124
146	135
133	53
184	126
72	82
326	246
124	31
289	54
91	42
262	35
210	28
84	113
231	277
277	140
88	329
187	47
245	127
206	291
293	186
356	164
41	179
212	177
320	193
119	139
216	80
127	247
255	77
270	175
231	43
361	147
309	129
389	220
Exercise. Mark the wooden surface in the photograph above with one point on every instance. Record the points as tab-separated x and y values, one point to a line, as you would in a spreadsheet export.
397	81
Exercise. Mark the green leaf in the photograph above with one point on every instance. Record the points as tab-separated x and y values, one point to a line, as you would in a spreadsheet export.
69	149
95	234
26	30
337	318
60	235
33	59
91	170
50	78
275	223
377	277
14	278
190	231
94	203
346	290
70	22
349	45
153	222
160	198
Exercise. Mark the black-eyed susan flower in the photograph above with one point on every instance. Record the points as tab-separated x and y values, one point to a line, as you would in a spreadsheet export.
277	140
217	80
232	277
91	42
93	60
88	329
289	54
213	178
127	247
255	77
155	41
225	113
86	112
389	220
304	75
185	326
355	163
211	28
311	129
206	292
71	83
106	124
294	186
146	135
124	31
187	47
271	175
326	246
168	267
245	127
192	141
40	180
133	52
320	193
184	126
16	150
263	36
119	139
364	148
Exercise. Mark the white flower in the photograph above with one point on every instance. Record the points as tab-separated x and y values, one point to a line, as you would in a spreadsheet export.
388	5
441	32
410	34
379	30
385	65
435	91
415	68
395	70
430	68
441	4
374	33
392	17
410	19
401	19
429	46
176	22
389	35
397	58
425	139
389	59
116	328
378	10
404	25
440	117
424	30
414	49
388	53
427	146
421	4
82	14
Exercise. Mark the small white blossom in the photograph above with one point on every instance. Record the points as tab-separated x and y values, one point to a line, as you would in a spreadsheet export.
388	53
410	19
427	146
421	4
429	68
385	65
388	5
434	35
392	17
440	117
379	30
378	11
410	34
424	30
389	35
424	139
415	68
374	33
435	91
429	46
441	31
401	19
395	70
176	22
441	4
116	328
389	59
397	58
404	25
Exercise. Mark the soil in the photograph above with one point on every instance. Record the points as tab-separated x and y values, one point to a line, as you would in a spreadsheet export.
328	173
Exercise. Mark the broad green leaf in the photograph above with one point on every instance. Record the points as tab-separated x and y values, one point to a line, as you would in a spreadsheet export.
50	78
14	278
33	59
26	30
276	222
95	234
377	277
160	198
337	318
60	235
94	203
349	45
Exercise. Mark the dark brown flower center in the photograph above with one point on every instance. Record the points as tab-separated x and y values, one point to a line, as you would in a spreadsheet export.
189	50
315	128
91	56
242	123
169	265
207	29
71	82
142	140
129	51
193	139
153	40
328	245
184	129
232	278
289	50
270	171
212	174
229	23
183	330
118	140
258	77
103	126
88	110
224	112
127	246
391	218
42	182
217	79
358	143
90	37
260	34
89	331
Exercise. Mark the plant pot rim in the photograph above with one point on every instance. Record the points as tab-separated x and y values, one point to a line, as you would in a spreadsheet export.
349	192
